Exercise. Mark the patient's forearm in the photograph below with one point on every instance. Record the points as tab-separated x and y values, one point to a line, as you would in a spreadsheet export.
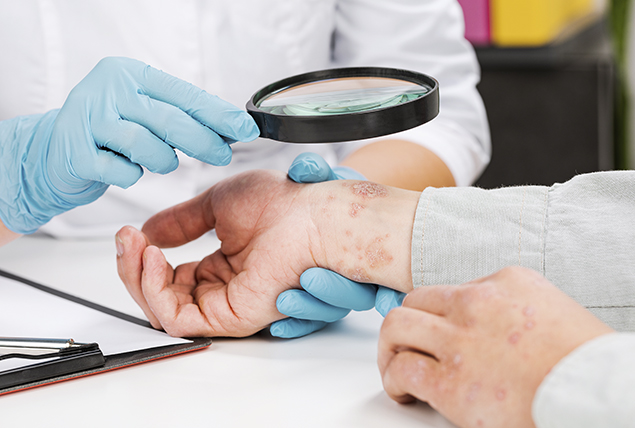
365	232
6	235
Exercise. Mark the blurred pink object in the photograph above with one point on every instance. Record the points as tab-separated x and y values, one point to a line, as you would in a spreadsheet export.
477	22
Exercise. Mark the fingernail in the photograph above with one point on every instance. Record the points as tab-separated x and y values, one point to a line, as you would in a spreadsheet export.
403	302
119	245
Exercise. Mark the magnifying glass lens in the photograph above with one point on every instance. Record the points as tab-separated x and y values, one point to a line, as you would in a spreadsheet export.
341	96
344	104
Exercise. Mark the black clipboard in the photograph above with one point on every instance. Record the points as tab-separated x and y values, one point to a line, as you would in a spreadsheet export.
90	363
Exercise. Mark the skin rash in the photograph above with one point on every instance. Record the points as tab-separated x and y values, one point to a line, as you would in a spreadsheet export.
370	255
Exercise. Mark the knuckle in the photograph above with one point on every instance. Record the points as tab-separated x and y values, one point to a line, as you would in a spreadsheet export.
392	319
512	271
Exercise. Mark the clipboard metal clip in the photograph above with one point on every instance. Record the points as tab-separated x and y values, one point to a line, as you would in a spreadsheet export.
54	358
35	349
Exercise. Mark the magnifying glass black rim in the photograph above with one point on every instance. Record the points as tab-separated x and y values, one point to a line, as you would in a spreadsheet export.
335	128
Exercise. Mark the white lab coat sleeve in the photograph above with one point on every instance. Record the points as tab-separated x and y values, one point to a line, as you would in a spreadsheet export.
580	235
593	386
425	36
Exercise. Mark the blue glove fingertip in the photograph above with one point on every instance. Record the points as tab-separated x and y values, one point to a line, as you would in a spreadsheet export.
291	328
310	168
311	280
347	173
336	290
302	305
285	303
219	155
247	130
387	300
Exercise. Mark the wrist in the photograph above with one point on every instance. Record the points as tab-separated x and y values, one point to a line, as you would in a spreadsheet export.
19	159
364	231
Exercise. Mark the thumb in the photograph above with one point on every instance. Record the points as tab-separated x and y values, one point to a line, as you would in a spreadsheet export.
161	300
181	223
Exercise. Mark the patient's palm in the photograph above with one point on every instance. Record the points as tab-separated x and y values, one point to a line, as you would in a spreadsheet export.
263	223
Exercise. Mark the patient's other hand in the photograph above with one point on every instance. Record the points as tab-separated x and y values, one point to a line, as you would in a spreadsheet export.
478	352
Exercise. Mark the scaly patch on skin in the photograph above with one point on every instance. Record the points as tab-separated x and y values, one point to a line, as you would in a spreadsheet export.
359	275
369	190
376	255
355	209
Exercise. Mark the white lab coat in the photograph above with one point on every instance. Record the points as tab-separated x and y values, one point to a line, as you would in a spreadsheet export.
231	49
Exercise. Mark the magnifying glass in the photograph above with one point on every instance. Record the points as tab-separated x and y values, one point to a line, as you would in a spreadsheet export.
344	104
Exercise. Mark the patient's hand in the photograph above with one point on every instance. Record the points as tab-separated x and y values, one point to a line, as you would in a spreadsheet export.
272	229
264	225
478	352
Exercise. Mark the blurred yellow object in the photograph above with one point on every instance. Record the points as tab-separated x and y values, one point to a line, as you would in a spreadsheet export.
537	22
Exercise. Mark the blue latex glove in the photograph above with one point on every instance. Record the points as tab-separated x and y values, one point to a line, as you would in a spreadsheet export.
326	296
123	116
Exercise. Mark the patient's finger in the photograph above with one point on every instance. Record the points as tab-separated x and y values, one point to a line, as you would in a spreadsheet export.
407	328
178	319
411	374
435	299
132	243
181	223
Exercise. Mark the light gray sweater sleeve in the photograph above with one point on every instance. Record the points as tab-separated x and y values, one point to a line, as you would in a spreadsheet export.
593	386
580	235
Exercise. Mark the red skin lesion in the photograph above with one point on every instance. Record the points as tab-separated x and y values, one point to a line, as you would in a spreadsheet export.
355	209
377	257
514	338
359	275
501	394
367	190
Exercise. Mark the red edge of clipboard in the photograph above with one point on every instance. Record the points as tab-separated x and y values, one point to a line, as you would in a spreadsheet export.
97	371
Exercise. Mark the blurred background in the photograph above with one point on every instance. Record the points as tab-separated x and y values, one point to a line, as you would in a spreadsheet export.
557	79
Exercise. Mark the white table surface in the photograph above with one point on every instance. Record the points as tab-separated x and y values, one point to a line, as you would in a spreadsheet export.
326	379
